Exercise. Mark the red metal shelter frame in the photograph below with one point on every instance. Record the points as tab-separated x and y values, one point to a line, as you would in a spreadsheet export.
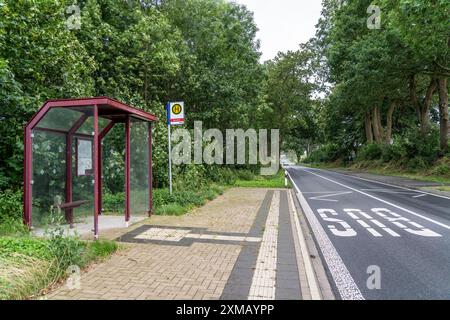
103	107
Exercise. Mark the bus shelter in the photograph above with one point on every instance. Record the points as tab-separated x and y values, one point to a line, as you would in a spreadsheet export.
63	160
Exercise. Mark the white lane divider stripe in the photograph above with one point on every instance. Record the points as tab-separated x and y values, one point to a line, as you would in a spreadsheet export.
264	277
344	281
381	200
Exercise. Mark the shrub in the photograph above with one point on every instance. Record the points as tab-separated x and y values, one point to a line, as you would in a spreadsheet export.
67	250
217	189
170	210
394	152
370	151
326	153
27	246
246	175
441	170
100	249
226	176
426	147
11	205
162	197
13	227
208	194
113	202
187	197
416	163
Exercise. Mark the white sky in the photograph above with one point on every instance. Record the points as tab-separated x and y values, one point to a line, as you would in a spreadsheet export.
283	24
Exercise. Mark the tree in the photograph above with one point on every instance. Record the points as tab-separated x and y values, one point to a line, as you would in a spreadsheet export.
424	27
288	94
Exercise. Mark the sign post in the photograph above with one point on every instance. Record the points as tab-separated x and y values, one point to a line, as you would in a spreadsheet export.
175	117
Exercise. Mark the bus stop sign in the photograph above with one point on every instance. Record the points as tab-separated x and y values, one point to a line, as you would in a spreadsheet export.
175	113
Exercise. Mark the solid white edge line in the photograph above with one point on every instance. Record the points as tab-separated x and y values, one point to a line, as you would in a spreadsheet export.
381	200
310	274
342	278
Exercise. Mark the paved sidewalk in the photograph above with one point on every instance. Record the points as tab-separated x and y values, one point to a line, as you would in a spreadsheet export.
239	246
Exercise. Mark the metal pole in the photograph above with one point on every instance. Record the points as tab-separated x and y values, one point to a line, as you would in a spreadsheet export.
150	169
96	173
69	178
127	171
170	161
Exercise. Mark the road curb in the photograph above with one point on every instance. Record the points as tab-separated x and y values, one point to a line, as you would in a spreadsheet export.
316	281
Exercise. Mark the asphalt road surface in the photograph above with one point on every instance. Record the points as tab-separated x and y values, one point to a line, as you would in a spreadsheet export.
377	241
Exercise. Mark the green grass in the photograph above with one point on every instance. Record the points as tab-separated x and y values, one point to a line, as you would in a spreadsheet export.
275	181
182	201
29	265
171	210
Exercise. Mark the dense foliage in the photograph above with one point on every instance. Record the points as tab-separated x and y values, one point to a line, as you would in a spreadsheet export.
354	92
144	53
387	85
141	52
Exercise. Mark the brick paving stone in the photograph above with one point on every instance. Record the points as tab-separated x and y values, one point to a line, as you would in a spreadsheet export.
155	271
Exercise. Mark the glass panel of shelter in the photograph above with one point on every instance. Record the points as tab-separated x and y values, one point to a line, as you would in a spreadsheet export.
139	167
53	145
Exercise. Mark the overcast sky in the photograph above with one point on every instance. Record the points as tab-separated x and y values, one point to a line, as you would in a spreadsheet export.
283	24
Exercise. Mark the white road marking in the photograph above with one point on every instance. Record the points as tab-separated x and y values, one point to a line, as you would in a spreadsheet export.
395	191
369	228
309	270
330	195
390	185
388	230
344	281
381	200
264	277
348	230
321	192
424	232
353	214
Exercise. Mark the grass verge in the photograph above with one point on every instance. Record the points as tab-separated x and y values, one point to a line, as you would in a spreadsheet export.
29	265
275	181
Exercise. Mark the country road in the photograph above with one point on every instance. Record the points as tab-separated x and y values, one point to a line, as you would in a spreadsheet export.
377	241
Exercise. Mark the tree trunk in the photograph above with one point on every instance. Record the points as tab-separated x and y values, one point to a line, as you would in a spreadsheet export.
388	136
425	108
413	95
443	114
368	126
380	126
376	125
